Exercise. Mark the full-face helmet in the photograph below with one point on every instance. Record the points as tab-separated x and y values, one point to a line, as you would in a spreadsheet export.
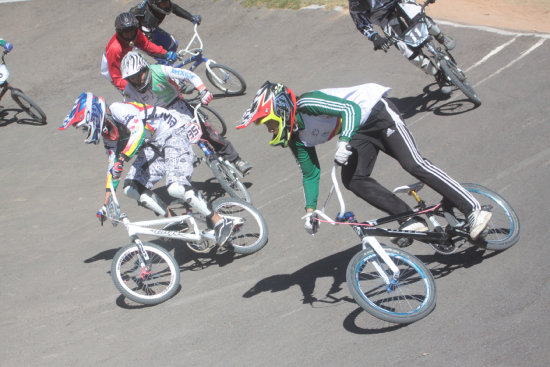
163	7
126	22
88	113
132	68
273	102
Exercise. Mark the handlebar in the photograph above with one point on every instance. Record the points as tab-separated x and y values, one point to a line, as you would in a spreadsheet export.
196	50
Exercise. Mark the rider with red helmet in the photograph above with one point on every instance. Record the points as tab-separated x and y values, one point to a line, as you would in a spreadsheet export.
127	37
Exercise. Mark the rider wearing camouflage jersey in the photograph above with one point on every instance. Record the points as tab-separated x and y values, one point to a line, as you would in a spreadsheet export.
158	85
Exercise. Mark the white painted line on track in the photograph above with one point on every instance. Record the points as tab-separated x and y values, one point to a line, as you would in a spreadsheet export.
494	30
521	56
11	1
492	53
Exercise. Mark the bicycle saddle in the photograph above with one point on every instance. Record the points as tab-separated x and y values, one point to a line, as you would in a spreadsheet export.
405	189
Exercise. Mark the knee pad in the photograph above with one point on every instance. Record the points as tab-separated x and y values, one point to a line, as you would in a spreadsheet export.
424	64
151	201
145	198
133	190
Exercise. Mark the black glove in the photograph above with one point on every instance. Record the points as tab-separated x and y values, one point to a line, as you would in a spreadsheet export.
380	43
431	1
197	19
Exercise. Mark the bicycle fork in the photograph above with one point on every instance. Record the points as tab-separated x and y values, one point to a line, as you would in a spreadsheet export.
144	259
371	242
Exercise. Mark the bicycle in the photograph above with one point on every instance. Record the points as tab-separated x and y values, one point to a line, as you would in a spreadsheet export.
210	117
225	172
390	284
26	104
227	80
228	176
146	273
412	28
447	237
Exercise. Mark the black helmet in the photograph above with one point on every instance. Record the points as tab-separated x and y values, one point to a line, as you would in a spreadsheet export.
164	9
126	22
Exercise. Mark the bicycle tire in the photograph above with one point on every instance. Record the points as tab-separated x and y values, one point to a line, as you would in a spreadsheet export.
159	285
458	78
503	230
28	106
226	79
230	180
408	299
250	234
210	117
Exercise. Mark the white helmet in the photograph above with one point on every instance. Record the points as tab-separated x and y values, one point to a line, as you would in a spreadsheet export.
132	64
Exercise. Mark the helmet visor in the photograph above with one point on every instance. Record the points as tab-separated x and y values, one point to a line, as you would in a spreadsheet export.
274	124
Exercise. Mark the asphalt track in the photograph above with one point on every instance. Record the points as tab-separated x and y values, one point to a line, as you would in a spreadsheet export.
287	305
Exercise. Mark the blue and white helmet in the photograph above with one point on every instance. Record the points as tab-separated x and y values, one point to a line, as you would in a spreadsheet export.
88	113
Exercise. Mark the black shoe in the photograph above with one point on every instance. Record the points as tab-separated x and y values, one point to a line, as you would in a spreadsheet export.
223	230
243	166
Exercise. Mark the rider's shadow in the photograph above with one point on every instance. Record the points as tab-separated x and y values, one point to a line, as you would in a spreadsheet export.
333	266
432	100
11	115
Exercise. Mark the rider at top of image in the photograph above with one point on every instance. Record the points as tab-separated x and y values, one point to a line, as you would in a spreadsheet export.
364	118
383	13
127	36
159	85
151	13
124	127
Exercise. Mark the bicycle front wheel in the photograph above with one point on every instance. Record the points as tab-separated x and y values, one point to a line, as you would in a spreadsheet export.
250	231
28	106
139	284
210	117
458	78
502	231
408	298
226	79
230	180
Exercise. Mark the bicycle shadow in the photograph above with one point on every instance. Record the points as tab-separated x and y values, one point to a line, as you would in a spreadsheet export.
442	265
10	115
333	266
433	100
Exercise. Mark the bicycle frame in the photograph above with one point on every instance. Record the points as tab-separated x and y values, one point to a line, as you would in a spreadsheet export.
366	240
194	55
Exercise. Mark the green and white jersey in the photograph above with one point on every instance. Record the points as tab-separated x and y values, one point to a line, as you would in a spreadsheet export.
164	86
322	115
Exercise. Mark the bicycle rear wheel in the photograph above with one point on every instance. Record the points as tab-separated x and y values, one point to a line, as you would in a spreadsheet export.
28	106
210	117
226	79
250	231
458	78
502	231
230	180
146	287
408	298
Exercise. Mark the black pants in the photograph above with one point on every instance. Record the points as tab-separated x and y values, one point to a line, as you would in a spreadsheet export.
397	142
221	145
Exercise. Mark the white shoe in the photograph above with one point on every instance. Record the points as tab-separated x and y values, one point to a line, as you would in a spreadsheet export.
478	220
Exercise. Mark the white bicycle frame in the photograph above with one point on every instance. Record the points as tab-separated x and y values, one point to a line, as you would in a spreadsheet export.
366	241
196	51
